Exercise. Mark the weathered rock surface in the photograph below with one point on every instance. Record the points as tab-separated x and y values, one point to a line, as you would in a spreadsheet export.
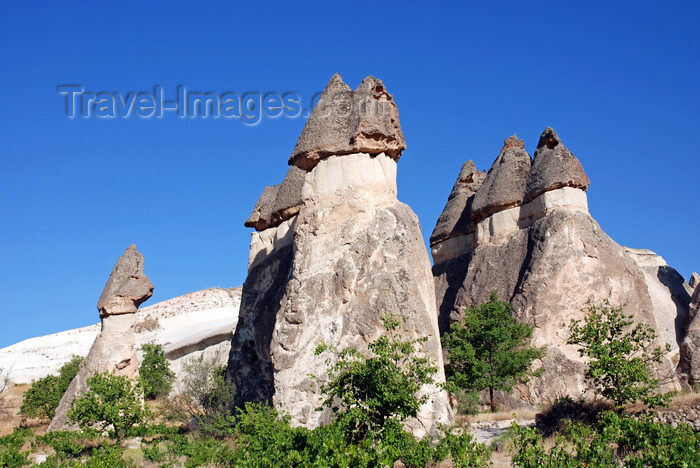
504	186
344	121
547	256
351	253
279	202
455	219
553	167
113	349
690	348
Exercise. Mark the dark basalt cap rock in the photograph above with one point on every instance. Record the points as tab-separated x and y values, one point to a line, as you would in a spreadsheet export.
504	186
553	167
127	287
455	219
345	121
279	202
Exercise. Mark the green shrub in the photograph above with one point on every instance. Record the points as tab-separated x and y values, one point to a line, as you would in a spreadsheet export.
42	399
11	454
107	456
155	374
621	357
612	442
369	391
112	401
64	443
488	350
205	398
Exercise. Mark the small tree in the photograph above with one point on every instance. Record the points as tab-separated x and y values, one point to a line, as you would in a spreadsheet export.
42	399
155	374
621	357
489	350
369	392
112	400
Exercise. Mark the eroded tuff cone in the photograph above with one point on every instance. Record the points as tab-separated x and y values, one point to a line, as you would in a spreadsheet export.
127	287
351	253
344	121
279	202
553	167
547	257
113	349
455	219
504	186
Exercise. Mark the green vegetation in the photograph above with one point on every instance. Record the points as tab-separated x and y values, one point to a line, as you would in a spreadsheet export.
205	398
614	441
371	393
621	357
488	350
42	399
112	401
155	375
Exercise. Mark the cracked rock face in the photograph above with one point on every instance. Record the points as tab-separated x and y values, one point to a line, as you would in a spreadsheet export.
690	348
351	253
113	350
345	121
536	244
504	186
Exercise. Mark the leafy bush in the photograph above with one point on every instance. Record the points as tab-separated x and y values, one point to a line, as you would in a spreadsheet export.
64	443
368	392
204	397
111	401
612	442
621	357
11	454
154	373
42	399
488	350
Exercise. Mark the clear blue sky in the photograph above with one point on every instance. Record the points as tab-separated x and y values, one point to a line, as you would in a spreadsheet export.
618	81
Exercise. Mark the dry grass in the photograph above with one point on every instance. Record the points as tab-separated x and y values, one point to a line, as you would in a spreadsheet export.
13	400
520	414
148	324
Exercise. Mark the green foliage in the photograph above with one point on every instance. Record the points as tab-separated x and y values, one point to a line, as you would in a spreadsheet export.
42	399
65	443
368	392
112	401
11	454
621	357
612	442
107	456
205	397
488	350
155	374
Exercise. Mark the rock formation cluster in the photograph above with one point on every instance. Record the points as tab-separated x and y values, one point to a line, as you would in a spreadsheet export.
524	230
332	251
690	348
113	350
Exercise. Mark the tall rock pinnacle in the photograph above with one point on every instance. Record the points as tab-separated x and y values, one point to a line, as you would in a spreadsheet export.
533	240
344	121
328	272
113	349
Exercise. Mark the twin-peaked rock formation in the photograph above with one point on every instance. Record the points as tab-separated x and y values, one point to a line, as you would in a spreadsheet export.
113	350
334	249
524	230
